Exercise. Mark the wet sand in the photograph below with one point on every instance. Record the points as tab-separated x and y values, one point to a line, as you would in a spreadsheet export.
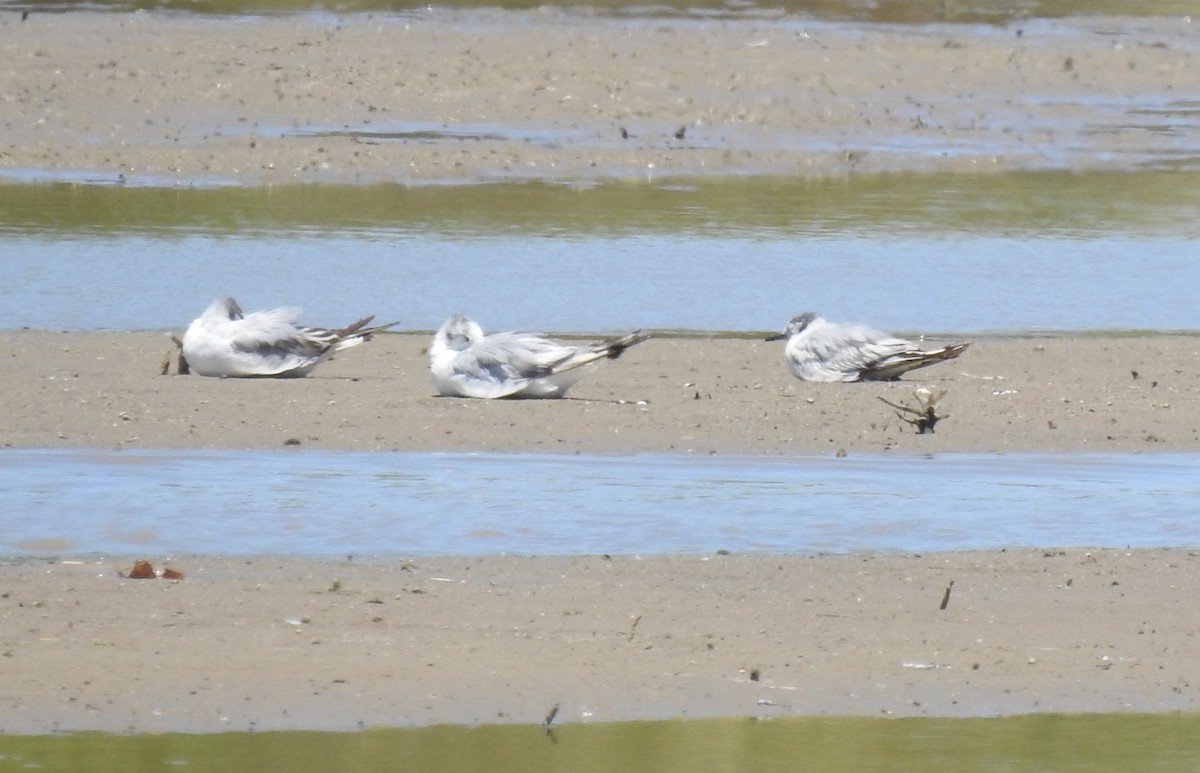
303	643
555	95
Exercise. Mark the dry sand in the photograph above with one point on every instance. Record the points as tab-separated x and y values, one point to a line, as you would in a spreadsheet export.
269	643
676	395
290	642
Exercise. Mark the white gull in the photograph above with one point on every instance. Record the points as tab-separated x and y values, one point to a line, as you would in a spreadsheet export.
466	363
224	341
819	350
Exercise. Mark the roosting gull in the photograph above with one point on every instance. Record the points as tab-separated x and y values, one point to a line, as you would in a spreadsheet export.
819	350
466	363
223	341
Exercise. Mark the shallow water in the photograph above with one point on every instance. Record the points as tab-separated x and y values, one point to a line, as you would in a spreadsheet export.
1042	742
315	503
931	253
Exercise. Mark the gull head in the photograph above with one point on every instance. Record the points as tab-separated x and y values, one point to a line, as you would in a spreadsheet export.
458	333
795	327
224	307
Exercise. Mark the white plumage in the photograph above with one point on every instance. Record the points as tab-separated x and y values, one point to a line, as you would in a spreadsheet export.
224	341
466	363
819	350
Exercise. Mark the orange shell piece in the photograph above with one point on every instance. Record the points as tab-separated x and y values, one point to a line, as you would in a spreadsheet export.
142	570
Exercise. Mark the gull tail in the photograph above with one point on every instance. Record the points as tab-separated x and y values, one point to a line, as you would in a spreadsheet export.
357	332
897	365
615	347
611	348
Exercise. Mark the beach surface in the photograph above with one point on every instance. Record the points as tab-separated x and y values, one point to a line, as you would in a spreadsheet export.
692	395
550	94
289	642
269	643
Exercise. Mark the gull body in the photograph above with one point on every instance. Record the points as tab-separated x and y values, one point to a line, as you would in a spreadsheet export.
224	341
819	350
464	362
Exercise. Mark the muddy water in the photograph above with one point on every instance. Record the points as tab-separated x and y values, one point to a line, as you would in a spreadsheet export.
1046	742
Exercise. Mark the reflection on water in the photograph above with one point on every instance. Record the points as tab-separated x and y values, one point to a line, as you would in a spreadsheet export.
1045	742
314	503
1012	252
1014	203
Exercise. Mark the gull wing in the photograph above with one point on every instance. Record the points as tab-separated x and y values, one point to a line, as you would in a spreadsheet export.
611	349
520	355
268	343
896	365
505	364
834	352
350	335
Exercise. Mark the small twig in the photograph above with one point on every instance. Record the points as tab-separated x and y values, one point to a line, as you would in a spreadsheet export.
924	422
899	407
926	417
946	596
765	702
549	720
182	367
633	627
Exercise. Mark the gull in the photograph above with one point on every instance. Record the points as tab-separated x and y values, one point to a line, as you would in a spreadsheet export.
466	363
819	350
224	341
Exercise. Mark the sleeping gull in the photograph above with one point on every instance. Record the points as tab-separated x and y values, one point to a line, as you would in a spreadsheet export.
819	350
466	363
223	341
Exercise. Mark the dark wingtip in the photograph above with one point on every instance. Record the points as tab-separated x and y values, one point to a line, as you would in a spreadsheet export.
354	327
954	350
617	346
366	334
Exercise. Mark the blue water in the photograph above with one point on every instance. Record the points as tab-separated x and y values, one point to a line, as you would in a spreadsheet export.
314	503
755	280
